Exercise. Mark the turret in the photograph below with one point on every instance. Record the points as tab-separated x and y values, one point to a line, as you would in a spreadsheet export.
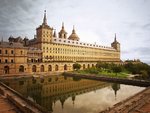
63	33
115	44
73	36
25	41
54	34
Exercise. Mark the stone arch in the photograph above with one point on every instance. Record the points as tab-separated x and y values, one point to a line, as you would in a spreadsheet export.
21	68
56	67
42	68
65	67
34	68
49	67
83	66
88	66
92	65
6	70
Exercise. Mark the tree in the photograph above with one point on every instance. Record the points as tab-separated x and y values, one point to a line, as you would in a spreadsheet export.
144	74
116	69
76	66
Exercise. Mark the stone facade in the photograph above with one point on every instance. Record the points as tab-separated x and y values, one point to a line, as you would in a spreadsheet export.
47	52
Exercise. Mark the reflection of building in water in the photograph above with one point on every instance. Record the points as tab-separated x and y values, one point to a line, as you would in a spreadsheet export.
115	87
47	90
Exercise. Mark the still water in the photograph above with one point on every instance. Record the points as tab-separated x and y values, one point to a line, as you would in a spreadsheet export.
59	94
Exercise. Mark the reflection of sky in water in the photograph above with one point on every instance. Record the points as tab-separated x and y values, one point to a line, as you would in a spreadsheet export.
95	101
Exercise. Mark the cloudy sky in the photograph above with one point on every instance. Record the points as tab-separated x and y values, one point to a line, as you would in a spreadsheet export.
96	21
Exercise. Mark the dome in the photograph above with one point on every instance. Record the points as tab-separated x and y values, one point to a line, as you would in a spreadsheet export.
62	33
73	36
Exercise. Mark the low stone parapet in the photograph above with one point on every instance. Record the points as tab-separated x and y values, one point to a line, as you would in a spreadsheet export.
127	81
25	105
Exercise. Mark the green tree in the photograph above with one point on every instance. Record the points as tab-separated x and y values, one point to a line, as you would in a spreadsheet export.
117	69
144	74
76	66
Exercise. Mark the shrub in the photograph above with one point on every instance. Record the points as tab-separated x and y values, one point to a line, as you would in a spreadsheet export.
76	66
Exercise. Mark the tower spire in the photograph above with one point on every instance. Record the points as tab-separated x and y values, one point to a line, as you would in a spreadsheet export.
62	25
115	40
73	31
2	39
44	19
54	35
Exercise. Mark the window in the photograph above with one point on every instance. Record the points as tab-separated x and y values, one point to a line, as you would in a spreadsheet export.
6	51
12	61
21	68
34	68
21	52
12	52
50	79
0	51
6	60
0	60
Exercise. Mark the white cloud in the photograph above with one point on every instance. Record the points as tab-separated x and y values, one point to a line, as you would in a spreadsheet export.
95	21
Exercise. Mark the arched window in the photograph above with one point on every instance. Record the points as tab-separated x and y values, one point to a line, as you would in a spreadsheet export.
56	67
42	68
65	67
34	68
6	69
49	68
21	68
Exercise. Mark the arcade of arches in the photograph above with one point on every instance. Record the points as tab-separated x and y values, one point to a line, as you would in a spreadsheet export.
58	67
44	67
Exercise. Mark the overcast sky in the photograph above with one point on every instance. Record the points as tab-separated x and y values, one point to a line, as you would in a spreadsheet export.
94	20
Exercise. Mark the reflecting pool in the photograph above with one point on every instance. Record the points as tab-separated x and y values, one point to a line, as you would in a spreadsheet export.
59	94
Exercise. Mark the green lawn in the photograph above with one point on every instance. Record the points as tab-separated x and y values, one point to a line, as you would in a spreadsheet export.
105	73
120	75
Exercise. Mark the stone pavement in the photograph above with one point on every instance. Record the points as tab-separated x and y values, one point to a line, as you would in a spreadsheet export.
6	106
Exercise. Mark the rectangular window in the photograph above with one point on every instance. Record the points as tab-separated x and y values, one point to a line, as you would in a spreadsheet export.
0	51
12	61
6	60
0	60
6	51
12	52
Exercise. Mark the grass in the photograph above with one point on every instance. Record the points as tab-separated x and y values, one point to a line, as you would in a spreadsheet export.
111	74
123	74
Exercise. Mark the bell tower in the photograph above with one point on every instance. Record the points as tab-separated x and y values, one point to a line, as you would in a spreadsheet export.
115	44
44	32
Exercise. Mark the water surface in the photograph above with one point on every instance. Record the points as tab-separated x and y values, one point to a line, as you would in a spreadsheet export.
60	94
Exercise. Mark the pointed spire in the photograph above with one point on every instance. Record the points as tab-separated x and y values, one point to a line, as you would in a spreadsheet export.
73	31
62	25
44	19
54	35
115	40
2	39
